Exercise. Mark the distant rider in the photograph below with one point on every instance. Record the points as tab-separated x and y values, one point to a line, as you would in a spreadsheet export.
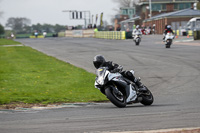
136	31
167	30
99	61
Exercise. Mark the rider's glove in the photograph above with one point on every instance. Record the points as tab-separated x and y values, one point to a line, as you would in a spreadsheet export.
118	69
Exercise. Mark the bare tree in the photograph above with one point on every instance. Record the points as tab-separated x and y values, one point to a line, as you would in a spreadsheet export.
1	12
126	3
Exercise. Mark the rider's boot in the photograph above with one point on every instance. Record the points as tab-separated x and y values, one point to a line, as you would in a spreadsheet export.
163	38
141	87
130	75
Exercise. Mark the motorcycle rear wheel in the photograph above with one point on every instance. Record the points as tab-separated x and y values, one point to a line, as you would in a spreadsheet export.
168	44
118	99
147	98
137	43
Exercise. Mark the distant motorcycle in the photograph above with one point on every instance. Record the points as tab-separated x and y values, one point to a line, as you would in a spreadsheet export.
137	38
168	40
120	90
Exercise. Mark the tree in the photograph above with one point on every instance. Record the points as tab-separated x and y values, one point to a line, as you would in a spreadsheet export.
18	24
37	27
59	28
198	5
1	29
48	28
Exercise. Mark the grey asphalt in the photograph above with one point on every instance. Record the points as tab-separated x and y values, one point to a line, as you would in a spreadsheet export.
173	76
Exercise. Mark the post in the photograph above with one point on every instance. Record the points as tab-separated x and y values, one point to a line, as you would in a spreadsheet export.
150	9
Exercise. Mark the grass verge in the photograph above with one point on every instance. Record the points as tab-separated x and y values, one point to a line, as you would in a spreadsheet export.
30	77
8	42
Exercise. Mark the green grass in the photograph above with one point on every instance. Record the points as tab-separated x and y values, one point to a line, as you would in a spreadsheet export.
28	76
8	42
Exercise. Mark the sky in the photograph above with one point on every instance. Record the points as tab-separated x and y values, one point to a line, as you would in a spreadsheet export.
51	11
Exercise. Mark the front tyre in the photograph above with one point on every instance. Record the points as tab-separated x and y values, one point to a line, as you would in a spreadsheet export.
116	97
137	41
147	98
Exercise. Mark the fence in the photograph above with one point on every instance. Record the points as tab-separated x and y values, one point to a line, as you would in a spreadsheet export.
79	33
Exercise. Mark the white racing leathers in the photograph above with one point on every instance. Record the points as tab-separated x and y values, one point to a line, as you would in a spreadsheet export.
168	39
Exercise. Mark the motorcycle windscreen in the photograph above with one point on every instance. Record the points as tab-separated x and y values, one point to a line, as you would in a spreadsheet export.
101	73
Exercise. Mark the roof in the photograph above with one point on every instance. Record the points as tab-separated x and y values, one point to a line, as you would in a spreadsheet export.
144	2
194	19
130	20
181	13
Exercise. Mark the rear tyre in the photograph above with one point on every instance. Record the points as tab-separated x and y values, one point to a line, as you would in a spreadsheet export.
147	98
137	43
117	98
167	46
168	43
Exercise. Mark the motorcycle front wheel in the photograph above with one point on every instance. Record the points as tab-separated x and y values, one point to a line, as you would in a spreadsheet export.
137	41
116	97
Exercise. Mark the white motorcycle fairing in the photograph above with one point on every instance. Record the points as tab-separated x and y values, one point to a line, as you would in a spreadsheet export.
169	36
104	76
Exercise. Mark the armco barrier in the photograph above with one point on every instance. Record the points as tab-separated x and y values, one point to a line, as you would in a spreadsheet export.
37	37
118	35
196	35
189	32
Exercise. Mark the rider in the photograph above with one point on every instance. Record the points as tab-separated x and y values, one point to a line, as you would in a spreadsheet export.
136	31
167	30
99	61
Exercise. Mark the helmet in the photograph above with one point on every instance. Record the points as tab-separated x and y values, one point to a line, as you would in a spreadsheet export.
98	61
168	26
137	26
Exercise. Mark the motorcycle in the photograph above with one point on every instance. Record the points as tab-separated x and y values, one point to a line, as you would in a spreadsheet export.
136	38
168	39
120	90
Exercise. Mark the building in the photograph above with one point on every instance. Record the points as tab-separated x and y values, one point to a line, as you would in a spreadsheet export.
158	10
127	25
177	19
163	6
125	13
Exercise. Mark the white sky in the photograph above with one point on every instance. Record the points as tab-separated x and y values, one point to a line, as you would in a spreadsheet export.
50	11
